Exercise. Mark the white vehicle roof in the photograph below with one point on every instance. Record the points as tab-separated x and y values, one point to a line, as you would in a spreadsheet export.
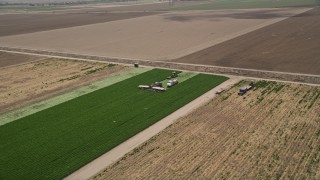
158	88
143	86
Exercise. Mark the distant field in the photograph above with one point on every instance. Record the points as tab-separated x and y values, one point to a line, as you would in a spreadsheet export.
245	4
272	132
157	37
28	23
55	142
140	5
291	45
43	1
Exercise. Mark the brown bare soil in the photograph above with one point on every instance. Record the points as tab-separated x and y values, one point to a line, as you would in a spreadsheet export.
106	7
20	23
12	24
157	37
271	132
8	59
148	6
27	83
291	45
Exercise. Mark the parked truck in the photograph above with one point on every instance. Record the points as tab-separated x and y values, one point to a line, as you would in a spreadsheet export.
245	89
172	82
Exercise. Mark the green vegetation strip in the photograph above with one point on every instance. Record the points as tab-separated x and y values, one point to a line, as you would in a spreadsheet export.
247	4
25	111
183	76
55	142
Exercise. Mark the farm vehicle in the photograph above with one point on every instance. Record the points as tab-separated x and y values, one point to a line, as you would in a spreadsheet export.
172	82
173	75
157	86
245	89
220	91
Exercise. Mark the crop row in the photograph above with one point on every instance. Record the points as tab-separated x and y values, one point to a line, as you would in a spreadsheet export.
55	142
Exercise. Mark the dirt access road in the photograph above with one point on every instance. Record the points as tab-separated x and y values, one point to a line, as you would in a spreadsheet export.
270	133
31	82
291	45
157	37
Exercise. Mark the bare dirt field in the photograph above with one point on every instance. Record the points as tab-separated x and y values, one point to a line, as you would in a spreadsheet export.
108	6
27	83
272	132
158	6
291	45
157	37
43	1
21	22
8	59
12	24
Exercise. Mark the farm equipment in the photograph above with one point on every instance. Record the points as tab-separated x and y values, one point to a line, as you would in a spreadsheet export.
158	89
144	87
172	82
245	89
157	86
173	75
242	91
220	91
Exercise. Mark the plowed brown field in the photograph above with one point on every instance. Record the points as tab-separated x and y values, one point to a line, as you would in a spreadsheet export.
291	45
158	37
8	59
26	83
12	24
271	132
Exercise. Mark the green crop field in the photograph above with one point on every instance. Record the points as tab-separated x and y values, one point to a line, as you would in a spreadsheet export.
247	4
55	142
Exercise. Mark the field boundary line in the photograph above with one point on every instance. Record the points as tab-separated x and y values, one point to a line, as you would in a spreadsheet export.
112	156
127	62
255	73
16	114
215	42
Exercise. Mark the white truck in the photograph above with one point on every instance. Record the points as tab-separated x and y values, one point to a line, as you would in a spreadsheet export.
245	89
172	82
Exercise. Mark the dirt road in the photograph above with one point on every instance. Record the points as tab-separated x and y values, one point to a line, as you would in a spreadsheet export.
291	45
271	132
